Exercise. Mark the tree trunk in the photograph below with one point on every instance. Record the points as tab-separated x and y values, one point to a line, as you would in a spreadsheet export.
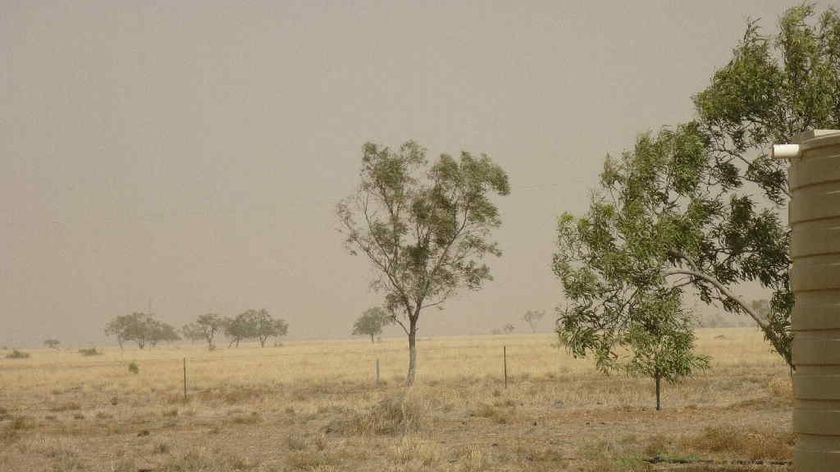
657	378
371	339
412	355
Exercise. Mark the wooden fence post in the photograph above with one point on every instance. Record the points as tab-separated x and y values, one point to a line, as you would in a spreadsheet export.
504	355
185	379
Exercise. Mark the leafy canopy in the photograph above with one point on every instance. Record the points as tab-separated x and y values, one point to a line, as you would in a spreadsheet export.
371	322
424	228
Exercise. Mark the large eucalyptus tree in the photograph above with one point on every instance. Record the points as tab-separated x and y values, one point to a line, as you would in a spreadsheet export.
425	228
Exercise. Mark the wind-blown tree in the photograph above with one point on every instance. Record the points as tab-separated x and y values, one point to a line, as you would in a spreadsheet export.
141	328
205	328
425	228
532	317
713	216
774	87
52	343
659	220
371	322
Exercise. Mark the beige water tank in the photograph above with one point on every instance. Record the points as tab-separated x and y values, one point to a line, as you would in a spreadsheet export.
815	278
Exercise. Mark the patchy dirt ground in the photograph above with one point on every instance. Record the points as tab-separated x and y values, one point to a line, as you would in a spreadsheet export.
315	406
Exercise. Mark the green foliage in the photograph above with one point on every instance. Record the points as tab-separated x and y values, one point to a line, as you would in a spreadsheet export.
254	324
424	228
52	343
698	206
133	367
15	354
774	87
371	322
141	328
90	351
204	328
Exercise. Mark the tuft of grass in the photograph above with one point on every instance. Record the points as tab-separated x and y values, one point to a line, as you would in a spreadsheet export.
252	418
68	406
399	414
133	367
497	414
750	444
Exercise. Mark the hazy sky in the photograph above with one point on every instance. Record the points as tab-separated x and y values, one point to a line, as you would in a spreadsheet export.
190	153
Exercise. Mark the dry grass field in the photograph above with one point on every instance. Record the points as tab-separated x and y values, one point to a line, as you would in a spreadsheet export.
314	406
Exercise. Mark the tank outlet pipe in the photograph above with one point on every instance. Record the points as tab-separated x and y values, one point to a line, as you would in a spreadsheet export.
786	151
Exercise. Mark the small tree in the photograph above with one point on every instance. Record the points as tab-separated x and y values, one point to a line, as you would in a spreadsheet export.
371	322
205	328
508	328
425	229
532	317
52	343
661	342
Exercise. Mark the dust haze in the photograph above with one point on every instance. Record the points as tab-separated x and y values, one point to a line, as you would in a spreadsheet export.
188	156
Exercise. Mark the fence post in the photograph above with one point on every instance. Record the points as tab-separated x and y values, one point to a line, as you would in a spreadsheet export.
377	371
504	356
185	379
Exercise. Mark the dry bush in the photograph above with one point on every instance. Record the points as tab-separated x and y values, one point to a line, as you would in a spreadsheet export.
399	414
748	444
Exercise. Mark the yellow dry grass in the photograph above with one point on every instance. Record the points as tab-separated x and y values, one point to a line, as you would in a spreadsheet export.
315	406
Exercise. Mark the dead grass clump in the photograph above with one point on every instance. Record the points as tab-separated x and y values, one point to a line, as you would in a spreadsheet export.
608	456
744	443
68	406
200	460
497	414
252	418
309	460
415	453
399	414
781	387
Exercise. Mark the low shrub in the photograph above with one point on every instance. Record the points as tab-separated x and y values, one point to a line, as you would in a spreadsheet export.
90	351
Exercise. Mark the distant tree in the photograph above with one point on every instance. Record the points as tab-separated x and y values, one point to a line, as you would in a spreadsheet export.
425	229
52	343
192	332
141	328
266	327
236	329
205	328
255	324
532	317
508	328
371	322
